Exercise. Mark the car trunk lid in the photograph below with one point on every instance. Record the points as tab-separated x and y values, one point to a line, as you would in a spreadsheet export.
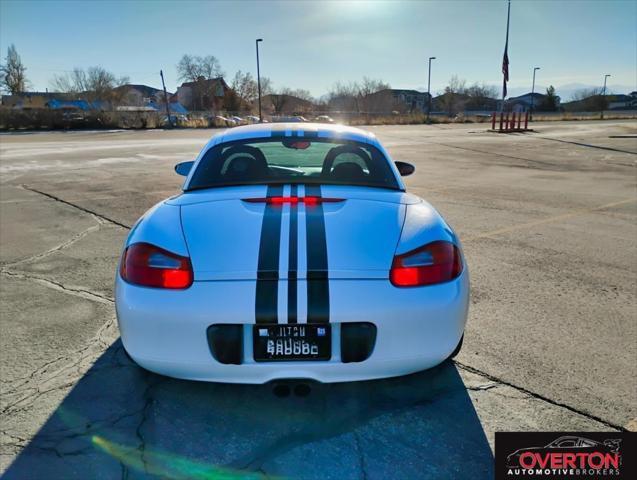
230	238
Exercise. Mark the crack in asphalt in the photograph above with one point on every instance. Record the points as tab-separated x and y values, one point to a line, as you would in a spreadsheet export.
29	390
78	292
361	456
85	210
539	396
148	403
549	165
74	239
612	149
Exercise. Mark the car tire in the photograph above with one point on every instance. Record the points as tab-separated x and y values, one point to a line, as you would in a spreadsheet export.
456	350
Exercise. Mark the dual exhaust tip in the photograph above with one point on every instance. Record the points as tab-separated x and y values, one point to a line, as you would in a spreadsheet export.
283	390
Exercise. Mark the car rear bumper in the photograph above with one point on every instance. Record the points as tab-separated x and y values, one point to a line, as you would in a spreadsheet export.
417	328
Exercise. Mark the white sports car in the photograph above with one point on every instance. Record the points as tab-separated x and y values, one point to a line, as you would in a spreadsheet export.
293	252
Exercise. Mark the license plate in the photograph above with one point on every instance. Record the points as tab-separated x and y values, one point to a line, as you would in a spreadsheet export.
291	342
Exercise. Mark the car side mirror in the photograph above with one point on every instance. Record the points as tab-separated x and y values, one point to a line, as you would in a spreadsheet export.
183	168
405	168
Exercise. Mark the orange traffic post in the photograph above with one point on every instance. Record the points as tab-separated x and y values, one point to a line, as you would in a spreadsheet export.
493	121
500	121
519	120
526	121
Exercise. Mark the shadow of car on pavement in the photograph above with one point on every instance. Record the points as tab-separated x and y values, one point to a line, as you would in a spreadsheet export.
122	421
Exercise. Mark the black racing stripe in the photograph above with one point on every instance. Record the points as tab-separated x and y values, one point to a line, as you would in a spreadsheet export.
292	259
318	292
266	302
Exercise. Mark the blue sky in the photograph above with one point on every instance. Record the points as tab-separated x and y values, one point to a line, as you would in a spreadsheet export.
311	45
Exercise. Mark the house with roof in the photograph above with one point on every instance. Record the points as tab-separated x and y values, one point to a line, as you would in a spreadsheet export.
203	94
32	100
622	102
395	99
283	104
523	103
139	95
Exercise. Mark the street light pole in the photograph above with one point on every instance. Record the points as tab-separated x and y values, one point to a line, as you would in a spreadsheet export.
259	79
429	89
533	93
604	95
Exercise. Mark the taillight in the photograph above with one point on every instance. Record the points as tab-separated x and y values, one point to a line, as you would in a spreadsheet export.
150	266
436	262
293	200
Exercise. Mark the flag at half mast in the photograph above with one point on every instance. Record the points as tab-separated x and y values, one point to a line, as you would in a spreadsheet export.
505	58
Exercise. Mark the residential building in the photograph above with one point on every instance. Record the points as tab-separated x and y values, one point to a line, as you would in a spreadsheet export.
275	104
203	94
31	100
622	102
139	95
523	103
393	99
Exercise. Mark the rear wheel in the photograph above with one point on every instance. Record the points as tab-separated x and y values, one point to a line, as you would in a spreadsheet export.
456	351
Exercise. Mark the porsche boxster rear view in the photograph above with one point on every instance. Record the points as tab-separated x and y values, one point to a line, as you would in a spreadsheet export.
293	251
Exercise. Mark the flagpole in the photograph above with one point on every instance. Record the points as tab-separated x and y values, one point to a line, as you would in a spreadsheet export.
506	58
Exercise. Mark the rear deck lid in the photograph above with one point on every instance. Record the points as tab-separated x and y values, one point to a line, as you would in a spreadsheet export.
230	238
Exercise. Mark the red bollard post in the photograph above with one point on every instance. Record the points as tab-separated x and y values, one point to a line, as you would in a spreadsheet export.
493	121
519	120
526	121
500	121
506	121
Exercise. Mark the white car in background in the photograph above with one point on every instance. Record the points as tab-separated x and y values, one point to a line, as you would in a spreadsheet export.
324	119
293	251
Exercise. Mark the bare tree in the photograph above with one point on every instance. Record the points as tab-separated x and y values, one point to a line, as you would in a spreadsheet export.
588	100
370	85
354	96
454	96
245	87
344	97
191	68
302	94
366	90
94	83
266	86
280	99
481	97
71	82
13	73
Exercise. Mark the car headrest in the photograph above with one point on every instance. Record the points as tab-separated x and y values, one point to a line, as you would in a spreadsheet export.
348	171
245	167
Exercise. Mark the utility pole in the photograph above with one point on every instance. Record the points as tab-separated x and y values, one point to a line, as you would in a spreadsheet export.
603	102
163	84
429	89
533	93
259	79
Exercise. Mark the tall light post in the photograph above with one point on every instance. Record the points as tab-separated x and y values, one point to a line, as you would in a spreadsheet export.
533	93
259	79
429	89
603	100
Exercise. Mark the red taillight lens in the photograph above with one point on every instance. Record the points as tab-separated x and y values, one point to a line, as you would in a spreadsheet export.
293	200
436	262
150	266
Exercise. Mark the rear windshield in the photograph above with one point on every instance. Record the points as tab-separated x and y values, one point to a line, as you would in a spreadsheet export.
293	160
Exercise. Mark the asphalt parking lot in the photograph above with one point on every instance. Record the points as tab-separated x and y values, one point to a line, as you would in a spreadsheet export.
549	225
